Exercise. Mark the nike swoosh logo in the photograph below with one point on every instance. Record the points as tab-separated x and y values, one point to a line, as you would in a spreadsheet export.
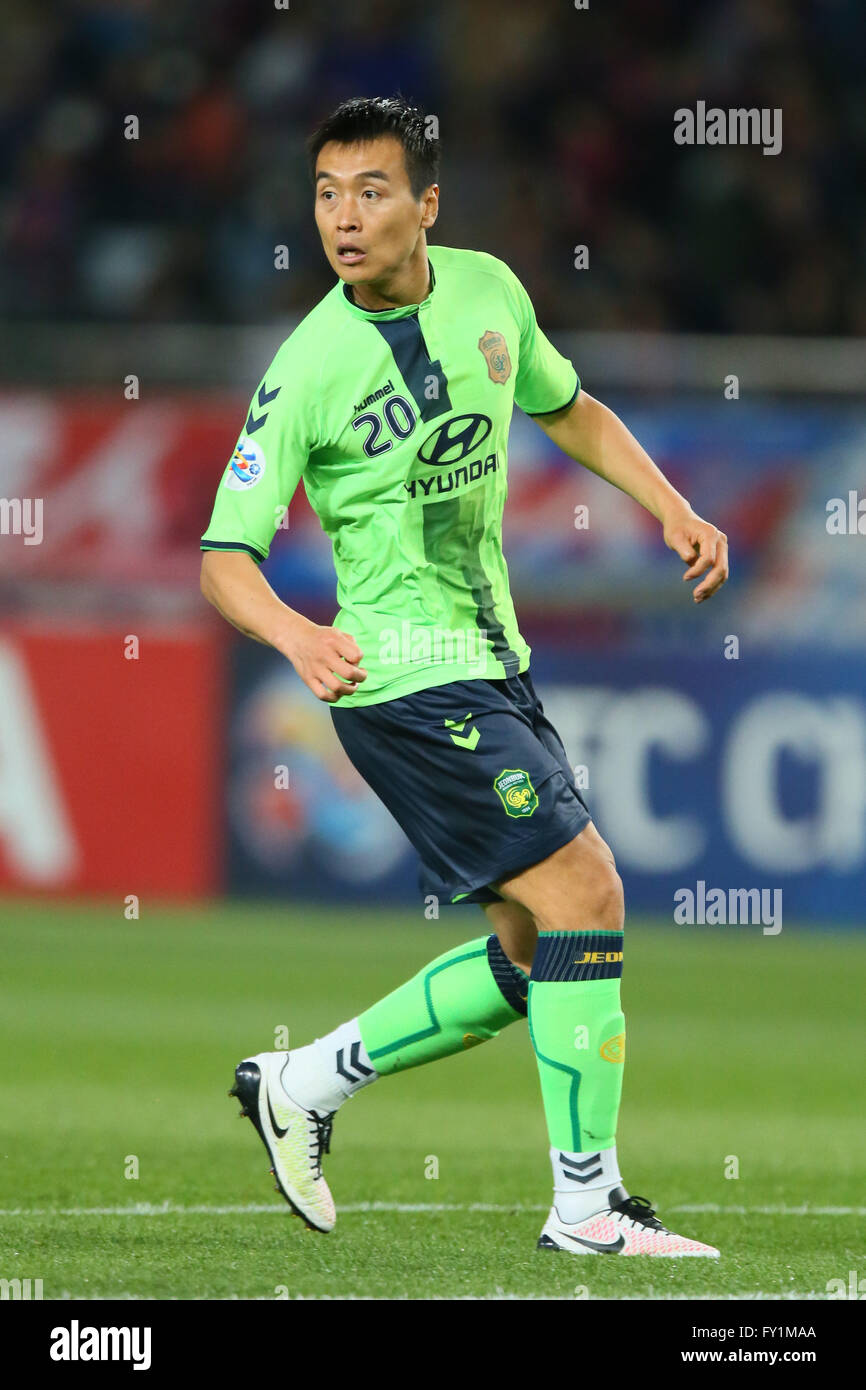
280	1133
596	1245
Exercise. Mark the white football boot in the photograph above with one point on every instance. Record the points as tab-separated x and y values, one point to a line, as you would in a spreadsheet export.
624	1226
295	1138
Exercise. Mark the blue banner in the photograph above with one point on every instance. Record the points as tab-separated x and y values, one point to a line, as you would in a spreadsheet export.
713	777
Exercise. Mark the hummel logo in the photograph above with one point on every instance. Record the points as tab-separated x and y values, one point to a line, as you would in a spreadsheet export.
469	740
354	1061
385	390
254	422
570	1164
603	1249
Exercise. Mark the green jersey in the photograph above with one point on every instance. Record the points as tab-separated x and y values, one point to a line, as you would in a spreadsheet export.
398	421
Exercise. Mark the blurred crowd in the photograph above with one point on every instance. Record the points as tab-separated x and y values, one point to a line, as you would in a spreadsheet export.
557	131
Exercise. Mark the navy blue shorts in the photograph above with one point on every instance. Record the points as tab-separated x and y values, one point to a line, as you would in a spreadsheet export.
475	775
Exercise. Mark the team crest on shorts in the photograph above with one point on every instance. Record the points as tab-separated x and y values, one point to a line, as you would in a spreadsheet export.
495	349
516	792
246	466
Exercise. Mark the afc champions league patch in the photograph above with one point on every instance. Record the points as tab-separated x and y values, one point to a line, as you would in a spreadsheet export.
246	466
516	792
495	350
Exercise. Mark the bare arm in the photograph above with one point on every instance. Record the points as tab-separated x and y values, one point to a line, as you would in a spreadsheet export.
326	659
590	433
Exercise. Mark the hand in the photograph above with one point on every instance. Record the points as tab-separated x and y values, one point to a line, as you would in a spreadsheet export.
326	660
703	548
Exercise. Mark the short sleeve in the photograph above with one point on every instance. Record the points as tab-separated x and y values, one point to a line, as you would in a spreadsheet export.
267	463
546	381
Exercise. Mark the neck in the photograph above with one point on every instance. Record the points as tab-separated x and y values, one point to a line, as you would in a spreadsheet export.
409	285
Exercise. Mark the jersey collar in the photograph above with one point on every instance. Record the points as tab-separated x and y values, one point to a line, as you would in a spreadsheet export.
378	315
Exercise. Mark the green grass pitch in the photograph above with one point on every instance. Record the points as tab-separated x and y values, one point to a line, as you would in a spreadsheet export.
120	1040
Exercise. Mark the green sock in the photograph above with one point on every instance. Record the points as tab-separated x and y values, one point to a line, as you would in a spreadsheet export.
577	1028
459	1000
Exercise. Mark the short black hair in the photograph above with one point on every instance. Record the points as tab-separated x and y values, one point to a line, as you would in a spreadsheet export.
366	118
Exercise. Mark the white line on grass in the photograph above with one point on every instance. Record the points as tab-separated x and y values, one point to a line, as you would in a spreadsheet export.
499	1295
357	1208
714	1208
256	1208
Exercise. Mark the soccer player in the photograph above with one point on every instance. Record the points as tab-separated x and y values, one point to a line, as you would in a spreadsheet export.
392	400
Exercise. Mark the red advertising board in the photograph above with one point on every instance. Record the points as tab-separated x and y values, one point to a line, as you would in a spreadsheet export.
112	489
110	776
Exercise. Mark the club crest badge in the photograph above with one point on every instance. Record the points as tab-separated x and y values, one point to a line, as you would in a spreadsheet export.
516	792
495	350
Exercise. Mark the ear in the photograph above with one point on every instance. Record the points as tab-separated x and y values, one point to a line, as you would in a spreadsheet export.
431	206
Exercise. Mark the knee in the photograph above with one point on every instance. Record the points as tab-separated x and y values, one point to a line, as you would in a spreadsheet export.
597	882
576	889
608	899
598	890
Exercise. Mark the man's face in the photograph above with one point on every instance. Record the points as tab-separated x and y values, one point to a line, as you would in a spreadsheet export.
367	218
